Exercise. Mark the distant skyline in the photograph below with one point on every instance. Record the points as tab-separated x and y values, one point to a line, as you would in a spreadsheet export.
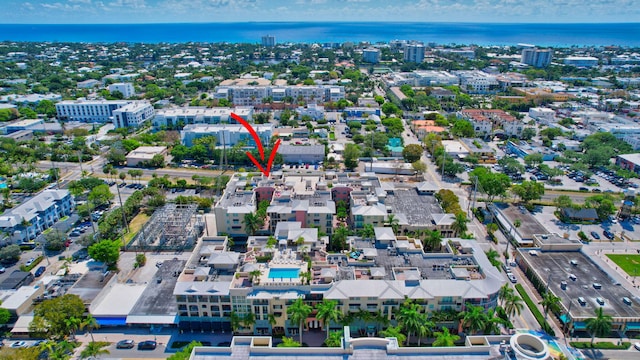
187	11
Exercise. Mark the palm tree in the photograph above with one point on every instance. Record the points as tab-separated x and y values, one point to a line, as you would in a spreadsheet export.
235	321
410	318
272	320
394	332
327	312
491	326
248	320
474	318
445	338
424	330
122	176
72	324
600	325
298	313
367	231
504	293
492	255
381	320
433	240
513	305
289	342
93	349
551	303
392	221
255	276
252	223
459	225
90	324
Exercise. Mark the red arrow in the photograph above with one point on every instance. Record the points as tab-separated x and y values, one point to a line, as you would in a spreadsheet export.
256	138
252	131
269	162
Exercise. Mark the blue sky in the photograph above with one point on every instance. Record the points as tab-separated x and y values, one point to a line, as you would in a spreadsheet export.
161	11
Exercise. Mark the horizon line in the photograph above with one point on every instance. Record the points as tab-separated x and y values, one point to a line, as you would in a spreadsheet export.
339	21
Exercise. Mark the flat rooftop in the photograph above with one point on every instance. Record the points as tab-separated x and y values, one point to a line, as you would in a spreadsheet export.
529	226
557	267
417	209
158	298
90	284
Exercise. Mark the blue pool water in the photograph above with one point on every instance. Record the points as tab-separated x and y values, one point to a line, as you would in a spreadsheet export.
3	185
283	273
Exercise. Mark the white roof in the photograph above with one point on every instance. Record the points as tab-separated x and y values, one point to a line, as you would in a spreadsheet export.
118	299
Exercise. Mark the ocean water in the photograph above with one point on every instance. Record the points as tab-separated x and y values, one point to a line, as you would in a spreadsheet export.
624	34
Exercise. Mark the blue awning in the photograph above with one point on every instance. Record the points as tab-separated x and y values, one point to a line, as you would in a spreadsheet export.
634	326
112	321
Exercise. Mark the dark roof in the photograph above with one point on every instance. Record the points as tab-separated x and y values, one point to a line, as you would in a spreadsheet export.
16	279
301	149
582	214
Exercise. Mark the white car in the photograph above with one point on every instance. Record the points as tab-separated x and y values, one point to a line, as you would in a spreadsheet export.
30	261
637	346
18	344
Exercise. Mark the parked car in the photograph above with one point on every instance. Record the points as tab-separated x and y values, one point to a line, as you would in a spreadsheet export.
147	345
595	235
2	269
125	344
40	271
30	261
637	346
608	234
18	344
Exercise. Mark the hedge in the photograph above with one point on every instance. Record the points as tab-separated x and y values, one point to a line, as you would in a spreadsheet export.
34	264
600	345
534	310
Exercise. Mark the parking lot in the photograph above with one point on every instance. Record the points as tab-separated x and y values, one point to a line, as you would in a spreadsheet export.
545	215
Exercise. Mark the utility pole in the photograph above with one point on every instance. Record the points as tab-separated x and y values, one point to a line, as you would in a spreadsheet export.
444	160
475	192
371	168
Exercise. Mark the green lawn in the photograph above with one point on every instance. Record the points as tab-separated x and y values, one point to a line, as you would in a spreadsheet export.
135	225
628	262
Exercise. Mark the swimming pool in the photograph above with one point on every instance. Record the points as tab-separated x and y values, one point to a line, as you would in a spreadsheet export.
277	273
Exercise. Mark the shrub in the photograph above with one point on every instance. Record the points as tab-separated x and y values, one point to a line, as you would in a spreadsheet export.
600	345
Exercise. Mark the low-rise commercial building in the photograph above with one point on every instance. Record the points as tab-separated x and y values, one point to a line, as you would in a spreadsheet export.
302	154
133	114
145	154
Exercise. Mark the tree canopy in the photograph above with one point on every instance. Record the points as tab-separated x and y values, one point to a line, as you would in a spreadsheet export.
52	316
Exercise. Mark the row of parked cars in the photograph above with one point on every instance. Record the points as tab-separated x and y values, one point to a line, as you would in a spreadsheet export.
143	345
611	177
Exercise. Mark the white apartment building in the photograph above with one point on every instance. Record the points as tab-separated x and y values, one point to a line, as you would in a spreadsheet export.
90	110
26	221
537	57
433	78
179	117
544	116
133	114
254	95
414	53
477	82
126	89
225	134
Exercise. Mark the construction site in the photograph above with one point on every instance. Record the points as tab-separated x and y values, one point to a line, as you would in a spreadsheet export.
173	227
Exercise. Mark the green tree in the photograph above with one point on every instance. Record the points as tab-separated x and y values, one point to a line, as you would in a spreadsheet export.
394	332
289	343
529	190
252	223
107	251
90	324
328	311
528	133
367	231
392	222
491	184
563	201
334	339
10	254
433	240
534	159
459	225
185	352
445	338
52	316
94	349
513	305
351	155
412	153
55	240
100	195
473	318
410	318
600	325
462	128
298	312
505	292
551	303
5	315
